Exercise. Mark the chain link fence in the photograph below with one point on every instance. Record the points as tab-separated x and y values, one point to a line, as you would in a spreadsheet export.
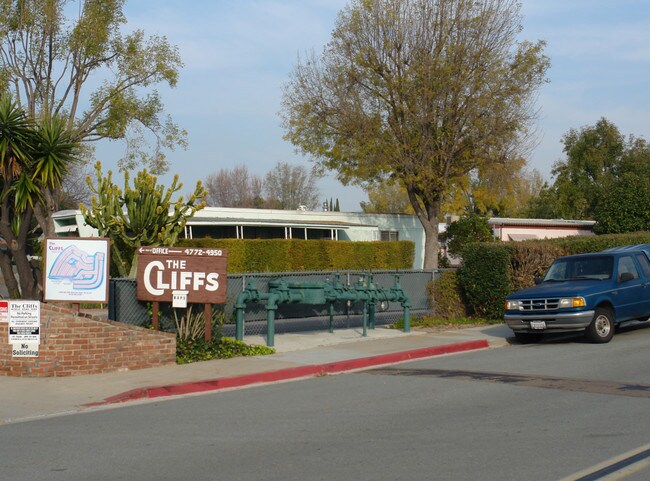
124	307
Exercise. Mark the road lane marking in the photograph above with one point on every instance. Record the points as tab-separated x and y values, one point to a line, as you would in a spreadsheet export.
616	468
527	380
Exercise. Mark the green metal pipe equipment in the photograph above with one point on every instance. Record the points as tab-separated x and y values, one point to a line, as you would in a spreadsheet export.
282	292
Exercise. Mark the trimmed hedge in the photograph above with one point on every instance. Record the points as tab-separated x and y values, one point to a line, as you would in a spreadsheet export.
586	244
295	255
529	259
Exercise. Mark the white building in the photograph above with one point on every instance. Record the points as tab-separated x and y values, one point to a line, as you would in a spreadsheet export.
235	223
232	223
506	229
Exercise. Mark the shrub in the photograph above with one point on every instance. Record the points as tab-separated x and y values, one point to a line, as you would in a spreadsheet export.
193	350
191	345
295	255
469	228
529	259
586	244
485	278
447	297
191	324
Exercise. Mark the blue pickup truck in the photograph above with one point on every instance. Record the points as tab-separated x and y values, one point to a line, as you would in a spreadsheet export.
593	293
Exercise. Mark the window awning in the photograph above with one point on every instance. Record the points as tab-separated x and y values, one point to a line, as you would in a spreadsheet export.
522	237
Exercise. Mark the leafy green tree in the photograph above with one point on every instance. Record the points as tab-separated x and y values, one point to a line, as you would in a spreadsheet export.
142	215
81	68
624	206
624	202
469	228
591	154
33	161
605	177
425	91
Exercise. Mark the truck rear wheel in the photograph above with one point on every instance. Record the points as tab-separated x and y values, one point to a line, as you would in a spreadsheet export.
601	329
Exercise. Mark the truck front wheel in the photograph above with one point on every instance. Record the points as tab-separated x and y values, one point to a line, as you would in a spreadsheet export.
601	329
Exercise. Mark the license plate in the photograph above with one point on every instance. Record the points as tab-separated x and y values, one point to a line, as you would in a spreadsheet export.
538	324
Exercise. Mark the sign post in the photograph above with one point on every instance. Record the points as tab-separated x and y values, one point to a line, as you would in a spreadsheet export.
182	276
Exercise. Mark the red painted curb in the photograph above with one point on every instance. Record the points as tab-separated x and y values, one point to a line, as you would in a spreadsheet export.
290	373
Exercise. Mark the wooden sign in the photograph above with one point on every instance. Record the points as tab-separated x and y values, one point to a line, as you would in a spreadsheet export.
170	274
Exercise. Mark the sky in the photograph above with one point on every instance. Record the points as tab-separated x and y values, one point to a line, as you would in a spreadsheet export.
238	54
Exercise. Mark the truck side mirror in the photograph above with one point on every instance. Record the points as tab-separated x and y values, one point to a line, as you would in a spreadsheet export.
538	280
625	277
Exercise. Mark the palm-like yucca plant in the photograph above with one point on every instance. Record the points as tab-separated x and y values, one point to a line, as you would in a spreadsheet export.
16	132
33	160
55	150
16	137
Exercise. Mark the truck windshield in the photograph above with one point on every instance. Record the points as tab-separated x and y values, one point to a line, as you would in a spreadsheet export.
597	268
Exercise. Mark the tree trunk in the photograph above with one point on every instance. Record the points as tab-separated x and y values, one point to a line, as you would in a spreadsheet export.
11	283
28	285
43	211
431	244
428	211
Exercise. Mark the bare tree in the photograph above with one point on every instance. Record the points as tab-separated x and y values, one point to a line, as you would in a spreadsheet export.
423	91
234	188
290	186
75	187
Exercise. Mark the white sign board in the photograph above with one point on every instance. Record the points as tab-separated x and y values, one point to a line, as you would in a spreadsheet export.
25	328
76	269
25	349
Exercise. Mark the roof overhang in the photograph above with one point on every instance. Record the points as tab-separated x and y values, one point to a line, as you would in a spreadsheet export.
294	223
576	224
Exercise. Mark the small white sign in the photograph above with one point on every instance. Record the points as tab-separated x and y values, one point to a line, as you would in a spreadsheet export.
24	321
25	349
179	299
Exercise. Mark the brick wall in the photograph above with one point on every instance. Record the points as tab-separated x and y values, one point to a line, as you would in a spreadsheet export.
74	344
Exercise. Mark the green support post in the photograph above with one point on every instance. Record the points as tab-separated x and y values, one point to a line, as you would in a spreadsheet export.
407	319
239	324
270	323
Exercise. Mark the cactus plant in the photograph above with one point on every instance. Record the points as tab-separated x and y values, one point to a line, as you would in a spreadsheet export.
142	215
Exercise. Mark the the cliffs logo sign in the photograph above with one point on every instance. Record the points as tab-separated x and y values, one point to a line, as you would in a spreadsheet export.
198	275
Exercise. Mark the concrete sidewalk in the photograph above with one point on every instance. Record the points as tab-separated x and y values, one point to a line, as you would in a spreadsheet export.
297	356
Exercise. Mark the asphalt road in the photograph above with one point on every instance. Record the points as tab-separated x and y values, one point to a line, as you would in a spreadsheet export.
535	412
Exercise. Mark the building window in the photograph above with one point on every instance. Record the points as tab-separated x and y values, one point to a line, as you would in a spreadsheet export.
389	235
